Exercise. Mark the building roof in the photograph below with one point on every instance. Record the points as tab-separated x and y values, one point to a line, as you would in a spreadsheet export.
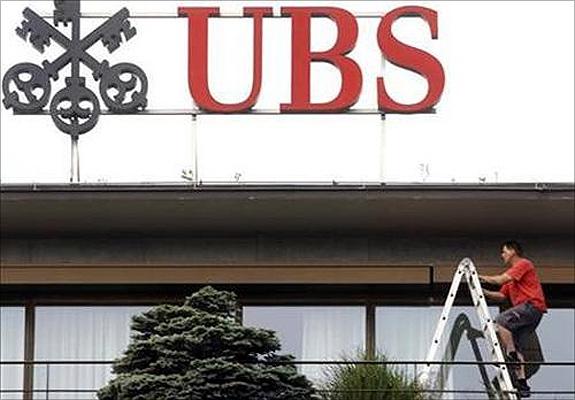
212	209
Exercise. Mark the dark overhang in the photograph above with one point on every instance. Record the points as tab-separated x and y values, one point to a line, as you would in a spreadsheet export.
182	209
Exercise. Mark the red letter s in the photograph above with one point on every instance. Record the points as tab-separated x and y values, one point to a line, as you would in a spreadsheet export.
411	58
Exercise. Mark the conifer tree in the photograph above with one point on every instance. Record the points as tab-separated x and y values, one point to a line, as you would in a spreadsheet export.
199	351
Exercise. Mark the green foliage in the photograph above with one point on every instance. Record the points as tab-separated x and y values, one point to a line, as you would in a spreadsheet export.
199	351
369	382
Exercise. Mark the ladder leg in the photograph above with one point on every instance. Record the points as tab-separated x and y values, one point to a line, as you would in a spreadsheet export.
436	341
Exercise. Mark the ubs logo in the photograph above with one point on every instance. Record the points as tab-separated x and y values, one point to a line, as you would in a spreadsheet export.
75	108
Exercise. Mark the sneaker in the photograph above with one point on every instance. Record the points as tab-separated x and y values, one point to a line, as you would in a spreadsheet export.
523	389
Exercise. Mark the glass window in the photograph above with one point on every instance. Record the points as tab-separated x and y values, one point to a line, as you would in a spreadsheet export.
556	333
11	349
83	334
405	334
313	333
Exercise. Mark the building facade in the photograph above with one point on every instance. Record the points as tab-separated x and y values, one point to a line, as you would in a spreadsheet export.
333	269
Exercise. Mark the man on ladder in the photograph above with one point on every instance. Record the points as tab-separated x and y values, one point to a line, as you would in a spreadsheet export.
520	284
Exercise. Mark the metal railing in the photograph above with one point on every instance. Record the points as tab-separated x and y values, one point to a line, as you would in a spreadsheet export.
47	392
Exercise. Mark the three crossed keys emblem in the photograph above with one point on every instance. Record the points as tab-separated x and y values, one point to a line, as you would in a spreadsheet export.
75	108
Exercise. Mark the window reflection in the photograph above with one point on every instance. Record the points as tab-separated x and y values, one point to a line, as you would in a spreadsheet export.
313	333
405	334
309	333
557	336
79	333
11	349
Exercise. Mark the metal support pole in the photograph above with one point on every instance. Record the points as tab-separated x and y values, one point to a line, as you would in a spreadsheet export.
75	161
382	151
382	138
195	149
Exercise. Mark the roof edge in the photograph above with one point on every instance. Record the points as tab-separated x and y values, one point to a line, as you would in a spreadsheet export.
287	186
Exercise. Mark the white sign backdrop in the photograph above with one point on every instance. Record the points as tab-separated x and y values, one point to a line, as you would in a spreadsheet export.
506	114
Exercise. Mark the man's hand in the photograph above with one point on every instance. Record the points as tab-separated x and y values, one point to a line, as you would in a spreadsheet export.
495	296
495	279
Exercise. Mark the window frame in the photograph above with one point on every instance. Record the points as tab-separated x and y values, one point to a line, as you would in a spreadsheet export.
559	296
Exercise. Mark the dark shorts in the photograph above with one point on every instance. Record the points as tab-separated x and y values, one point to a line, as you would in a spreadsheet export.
521	320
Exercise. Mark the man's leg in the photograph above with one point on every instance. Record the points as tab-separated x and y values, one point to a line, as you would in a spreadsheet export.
521	370
506	337
517	321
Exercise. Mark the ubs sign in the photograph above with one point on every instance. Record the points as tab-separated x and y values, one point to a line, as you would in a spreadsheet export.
75	108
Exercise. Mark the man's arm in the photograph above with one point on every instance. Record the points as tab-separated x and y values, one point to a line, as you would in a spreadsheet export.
495	296
495	279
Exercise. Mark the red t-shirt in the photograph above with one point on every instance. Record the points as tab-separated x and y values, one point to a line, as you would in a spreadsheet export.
525	286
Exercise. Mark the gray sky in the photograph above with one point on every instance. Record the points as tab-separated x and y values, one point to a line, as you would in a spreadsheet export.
506	114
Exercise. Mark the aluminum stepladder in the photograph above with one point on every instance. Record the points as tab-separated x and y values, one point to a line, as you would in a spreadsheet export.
467	269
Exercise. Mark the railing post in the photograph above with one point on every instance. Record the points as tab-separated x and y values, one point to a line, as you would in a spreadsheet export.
370	334
28	375
47	381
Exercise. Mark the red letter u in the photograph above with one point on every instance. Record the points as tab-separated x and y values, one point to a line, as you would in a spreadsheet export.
198	58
